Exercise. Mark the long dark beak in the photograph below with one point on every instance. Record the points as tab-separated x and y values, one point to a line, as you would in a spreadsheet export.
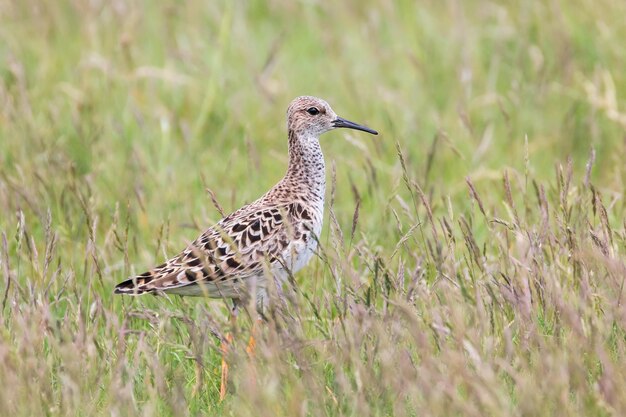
341	122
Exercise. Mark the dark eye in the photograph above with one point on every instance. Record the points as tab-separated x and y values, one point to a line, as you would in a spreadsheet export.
312	111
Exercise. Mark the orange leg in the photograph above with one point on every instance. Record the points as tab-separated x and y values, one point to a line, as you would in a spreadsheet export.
252	341
224	381
251	350
224	348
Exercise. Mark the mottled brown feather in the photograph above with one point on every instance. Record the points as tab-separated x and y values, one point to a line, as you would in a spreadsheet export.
277	233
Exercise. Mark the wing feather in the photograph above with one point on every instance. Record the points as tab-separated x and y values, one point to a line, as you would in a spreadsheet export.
238	247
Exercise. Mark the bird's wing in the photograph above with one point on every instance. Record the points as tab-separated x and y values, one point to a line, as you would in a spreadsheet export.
238	247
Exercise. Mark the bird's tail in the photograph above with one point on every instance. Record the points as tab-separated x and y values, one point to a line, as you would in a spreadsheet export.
137	285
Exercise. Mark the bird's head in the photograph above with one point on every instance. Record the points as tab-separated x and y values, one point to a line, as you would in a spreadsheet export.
313	116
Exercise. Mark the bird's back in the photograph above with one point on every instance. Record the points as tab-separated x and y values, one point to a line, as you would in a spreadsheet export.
273	235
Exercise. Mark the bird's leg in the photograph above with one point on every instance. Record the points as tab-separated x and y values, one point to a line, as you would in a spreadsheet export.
262	297
251	349
252	341
226	341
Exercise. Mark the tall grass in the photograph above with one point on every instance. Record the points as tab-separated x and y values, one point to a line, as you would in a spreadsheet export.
472	260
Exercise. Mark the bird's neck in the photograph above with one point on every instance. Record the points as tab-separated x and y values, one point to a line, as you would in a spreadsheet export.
306	168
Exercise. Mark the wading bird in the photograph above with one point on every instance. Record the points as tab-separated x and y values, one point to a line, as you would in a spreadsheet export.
271	238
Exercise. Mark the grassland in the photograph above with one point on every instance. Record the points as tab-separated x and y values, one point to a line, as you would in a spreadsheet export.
472	260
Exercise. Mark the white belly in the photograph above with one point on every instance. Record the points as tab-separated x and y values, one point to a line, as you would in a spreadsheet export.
303	258
300	252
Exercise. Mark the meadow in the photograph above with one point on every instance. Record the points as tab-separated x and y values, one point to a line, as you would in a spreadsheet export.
472	260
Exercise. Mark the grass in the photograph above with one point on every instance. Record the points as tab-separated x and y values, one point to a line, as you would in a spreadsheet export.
472	260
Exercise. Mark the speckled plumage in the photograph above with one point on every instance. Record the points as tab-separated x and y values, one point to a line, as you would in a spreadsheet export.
274	236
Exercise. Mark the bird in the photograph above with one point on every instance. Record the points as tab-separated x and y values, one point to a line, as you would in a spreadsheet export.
271	238
275	235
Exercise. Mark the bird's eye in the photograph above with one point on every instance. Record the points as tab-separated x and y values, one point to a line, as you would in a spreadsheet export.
312	111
